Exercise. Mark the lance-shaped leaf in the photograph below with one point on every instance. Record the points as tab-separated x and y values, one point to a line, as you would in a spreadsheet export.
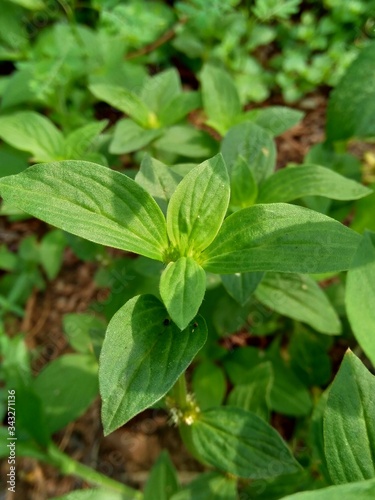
129	136
299	297
124	100
361	490
220	98
349	425
360	293
34	133
90	201
143	355
198	206
309	180
240	442
182	288
280	237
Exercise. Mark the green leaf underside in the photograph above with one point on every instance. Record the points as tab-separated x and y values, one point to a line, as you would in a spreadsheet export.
143	355
309	180
182	288
90	201
198	206
280	237
299	297
241	443
360	293
349	425
363	490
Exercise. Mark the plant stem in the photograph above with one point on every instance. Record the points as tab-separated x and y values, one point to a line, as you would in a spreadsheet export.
180	392
69	466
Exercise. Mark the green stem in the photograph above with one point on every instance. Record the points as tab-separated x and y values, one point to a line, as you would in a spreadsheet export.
69	466
180	392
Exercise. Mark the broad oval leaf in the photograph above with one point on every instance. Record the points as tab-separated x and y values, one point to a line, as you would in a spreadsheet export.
182	288
198	206
280	237
359	298
349	424
209	486
240	442
361	490
143	355
299	297
276	119
292	183
90	201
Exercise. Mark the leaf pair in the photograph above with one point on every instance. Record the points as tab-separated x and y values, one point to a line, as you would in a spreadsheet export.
107	207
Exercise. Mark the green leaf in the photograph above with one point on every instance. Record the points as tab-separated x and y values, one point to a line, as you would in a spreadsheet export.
360	293
90	201
254	395
187	141
255	145
158	180
295	182
67	386
30	4
143	355
299	297
349	425
80	329
95	494
12	161
243	188
362	490
351	104
179	107
209	486
221	101
182	288
241	443
241	286
209	385
280	237
162	482
158	91
129	136
52	252
124	100
81	141
198	206
34	133
276	119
